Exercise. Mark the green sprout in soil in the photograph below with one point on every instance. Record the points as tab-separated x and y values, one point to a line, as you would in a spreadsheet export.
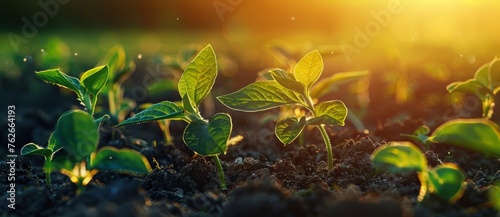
286	89
72	149
87	88
485	85
477	134
204	137
119	69
445	180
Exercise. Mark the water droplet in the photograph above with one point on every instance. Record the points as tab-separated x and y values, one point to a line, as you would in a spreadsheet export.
139	56
292	18
42	50
110	157
25	59
76	54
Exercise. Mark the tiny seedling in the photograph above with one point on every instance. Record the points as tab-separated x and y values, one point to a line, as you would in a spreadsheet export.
287	89
72	150
120	69
478	134
485	85
86	88
204	137
446	180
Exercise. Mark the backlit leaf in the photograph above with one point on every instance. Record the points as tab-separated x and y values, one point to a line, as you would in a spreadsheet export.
399	157
199	76
34	149
95	79
258	96
158	111
330	113
330	84
125	160
309	68
289	129
447	181
55	76
477	134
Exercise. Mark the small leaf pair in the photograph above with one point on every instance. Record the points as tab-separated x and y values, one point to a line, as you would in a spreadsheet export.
86	88
477	134
72	149
446	180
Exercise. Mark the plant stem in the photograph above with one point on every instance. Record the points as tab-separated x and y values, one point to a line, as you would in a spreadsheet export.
328	145
220	173
324	134
111	103
47	177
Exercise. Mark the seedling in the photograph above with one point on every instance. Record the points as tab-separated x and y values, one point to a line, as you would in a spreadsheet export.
72	149
204	137
485	85
286	89
86	88
478	134
446	180
120	69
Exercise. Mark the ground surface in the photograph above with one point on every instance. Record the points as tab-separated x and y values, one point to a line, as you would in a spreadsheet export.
264	177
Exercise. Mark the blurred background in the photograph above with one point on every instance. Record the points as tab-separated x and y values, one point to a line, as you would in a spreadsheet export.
412	49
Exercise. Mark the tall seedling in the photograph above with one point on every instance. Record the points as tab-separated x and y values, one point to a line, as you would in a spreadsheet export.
284	89
204	137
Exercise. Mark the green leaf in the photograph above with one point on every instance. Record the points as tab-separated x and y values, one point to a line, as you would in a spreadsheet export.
309	68
477	134
110	158
209	138
288	129
115	59
399	157
494	71
57	77
330	113
34	149
77	133
285	81
447	181
482	75
186	103
158	111
470	86
330	84
199	76
95	79
420	135
258	96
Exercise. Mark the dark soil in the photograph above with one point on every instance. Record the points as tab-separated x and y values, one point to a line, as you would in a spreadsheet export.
264	178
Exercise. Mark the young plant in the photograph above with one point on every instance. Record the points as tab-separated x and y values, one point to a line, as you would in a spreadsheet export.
120	69
485	85
446	180
86	88
477	134
204	137
72	150
286	89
